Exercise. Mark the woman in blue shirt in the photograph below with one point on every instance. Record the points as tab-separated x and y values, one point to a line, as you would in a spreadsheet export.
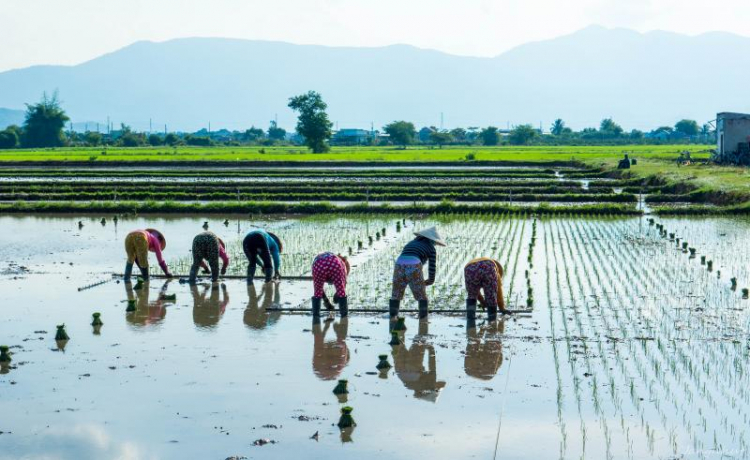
262	248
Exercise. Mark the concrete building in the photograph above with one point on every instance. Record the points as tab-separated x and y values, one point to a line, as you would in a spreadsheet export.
733	138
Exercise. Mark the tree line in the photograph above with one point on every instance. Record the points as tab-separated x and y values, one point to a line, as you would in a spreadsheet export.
45	121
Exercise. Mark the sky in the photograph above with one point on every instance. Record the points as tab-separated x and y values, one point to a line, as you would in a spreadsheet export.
74	31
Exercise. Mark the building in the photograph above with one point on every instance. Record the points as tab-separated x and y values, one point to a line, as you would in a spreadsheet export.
353	137
732	138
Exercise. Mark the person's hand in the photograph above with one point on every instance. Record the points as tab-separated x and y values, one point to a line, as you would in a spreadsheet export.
169	275
223	270
328	304
277	275
429	282
206	271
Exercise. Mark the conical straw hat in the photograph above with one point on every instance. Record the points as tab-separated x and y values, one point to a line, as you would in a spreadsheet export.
159	236
431	234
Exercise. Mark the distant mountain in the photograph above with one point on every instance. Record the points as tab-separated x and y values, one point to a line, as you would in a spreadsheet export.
11	117
641	80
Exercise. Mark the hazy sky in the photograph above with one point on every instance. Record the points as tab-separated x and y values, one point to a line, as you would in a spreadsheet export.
73	31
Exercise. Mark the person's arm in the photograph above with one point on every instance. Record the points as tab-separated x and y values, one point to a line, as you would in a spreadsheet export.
327	302
432	267
204	266
480	299
224	259
276	257
160	259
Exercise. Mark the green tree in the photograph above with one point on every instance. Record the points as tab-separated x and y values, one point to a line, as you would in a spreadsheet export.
8	139
155	139
275	133
440	138
171	139
558	127
253	134
312	123
401	132
458	134
522	135
92	138
490	136
609	128
636	134
129	138
44	123
687	127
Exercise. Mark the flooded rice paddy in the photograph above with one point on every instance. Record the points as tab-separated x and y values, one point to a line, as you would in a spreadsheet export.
626	345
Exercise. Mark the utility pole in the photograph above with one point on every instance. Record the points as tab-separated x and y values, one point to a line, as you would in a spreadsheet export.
165	130
149	126
109	131
441	121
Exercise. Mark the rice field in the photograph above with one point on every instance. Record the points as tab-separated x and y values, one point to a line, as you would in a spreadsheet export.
631	340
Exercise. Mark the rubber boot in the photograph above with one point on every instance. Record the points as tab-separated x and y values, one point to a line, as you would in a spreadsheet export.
144	273
269	273
343	307
471	308
393	307
492	313
193	274
423	304
316	301
128	271
471	323
250	272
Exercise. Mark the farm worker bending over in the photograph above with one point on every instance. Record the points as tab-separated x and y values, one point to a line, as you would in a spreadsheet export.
260	247
408	269
208	247
333	269
138	243
487	275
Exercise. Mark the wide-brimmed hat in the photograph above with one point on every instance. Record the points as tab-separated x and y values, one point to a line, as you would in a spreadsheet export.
158	235
431	234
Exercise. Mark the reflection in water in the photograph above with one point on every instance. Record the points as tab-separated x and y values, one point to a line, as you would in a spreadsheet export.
330	357
484	350
207	311
410	366
255	316
146	312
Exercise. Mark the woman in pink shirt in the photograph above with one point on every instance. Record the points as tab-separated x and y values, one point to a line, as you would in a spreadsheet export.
138	244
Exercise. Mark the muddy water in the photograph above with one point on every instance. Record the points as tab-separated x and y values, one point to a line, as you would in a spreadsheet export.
620	358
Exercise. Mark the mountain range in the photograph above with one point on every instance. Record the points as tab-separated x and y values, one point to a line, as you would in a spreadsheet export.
642	80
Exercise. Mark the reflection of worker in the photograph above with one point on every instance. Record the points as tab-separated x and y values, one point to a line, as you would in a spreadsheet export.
256	316
208	311
484	350
138	244
330	357
208	247
146	312
409	365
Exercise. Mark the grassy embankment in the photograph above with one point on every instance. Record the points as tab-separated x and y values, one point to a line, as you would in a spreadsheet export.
532	154
699	183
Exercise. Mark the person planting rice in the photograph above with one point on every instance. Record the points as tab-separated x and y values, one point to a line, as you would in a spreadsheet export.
333	269
484	274
262	248
208	247
408	270
138	244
